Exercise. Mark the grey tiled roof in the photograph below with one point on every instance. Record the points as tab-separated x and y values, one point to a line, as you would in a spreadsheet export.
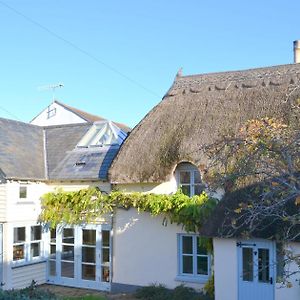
60	139
21	150
33	152
86	163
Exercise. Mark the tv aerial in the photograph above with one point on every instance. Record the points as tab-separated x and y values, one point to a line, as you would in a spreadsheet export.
52	87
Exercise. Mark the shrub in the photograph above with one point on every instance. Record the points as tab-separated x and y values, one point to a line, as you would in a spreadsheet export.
154	292
159	292
28	293
209	287
182	292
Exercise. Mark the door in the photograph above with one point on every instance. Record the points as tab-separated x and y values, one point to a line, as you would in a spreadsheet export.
256	270
80	256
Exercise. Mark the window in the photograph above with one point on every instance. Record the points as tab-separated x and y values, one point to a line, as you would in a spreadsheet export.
19	243
51	112
102	134
23	191
27	243
189	179
194	261
35	241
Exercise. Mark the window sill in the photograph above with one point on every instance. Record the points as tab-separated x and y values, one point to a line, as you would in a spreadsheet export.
26	202
193	279
21	264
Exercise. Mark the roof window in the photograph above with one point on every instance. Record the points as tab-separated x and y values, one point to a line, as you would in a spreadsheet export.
102	134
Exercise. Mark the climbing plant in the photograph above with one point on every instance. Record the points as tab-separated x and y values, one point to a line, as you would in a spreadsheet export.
86	205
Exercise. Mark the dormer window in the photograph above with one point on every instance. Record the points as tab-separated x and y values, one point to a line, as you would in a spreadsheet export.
103	134
189	179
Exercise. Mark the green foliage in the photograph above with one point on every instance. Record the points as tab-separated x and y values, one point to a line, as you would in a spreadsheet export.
87	205
209	287
28	293
160	292
87	297
153	292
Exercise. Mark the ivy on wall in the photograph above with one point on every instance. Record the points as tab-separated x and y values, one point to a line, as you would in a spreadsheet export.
86	205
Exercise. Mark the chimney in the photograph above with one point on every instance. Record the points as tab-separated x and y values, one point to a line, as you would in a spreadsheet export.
297	51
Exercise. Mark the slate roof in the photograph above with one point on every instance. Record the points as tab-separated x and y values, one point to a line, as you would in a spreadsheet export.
59	140
85	164
199	109
31	152
21	150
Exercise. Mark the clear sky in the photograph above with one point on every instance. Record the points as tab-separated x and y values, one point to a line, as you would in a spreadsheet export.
117	59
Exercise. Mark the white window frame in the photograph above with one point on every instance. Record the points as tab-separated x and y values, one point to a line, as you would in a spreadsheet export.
23	185
28	259
51	112
190	168
198	278
97	131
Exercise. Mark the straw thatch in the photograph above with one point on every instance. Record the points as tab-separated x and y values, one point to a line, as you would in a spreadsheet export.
199	109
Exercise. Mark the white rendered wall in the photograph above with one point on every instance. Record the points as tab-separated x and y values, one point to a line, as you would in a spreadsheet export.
3	202
145	251
292	293
225	269
62	116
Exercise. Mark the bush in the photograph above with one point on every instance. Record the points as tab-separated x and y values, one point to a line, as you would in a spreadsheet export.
153	292
182	292
209	287
28	293
159	292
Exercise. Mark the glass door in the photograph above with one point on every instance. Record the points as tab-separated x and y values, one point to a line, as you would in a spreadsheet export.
80	256
88	254
256	270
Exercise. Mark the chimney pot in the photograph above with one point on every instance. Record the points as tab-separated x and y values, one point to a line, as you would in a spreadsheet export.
297	51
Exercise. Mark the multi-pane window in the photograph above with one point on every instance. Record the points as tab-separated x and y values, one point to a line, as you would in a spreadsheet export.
35	241
193	257
189	179
27	243
23	191
105	264
19	243
51	112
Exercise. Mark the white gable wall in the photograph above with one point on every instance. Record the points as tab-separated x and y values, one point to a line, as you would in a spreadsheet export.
62	116
294	291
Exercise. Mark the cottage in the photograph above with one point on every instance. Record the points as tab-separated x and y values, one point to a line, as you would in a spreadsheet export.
68	148
163	153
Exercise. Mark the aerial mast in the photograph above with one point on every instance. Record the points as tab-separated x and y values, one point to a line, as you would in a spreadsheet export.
52	87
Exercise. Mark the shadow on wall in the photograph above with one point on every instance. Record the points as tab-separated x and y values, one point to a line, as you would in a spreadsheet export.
132	221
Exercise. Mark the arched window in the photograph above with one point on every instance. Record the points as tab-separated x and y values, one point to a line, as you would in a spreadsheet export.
189	179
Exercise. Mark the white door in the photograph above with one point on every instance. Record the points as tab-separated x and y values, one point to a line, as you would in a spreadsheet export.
256	270
80	257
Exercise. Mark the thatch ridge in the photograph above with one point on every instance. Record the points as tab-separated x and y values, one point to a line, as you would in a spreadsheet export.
196	111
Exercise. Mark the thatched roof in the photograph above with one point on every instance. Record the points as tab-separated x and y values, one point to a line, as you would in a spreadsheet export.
196	111
220	223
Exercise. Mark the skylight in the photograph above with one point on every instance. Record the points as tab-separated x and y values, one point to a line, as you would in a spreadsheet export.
102	134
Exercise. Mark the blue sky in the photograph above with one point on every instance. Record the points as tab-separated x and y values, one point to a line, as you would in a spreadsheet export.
118	58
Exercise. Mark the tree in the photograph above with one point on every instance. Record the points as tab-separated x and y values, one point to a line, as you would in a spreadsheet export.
261	165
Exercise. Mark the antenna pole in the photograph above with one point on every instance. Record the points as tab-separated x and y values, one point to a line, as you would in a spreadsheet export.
52	87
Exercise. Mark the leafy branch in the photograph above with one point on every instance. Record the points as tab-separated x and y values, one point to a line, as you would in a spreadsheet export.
86	205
